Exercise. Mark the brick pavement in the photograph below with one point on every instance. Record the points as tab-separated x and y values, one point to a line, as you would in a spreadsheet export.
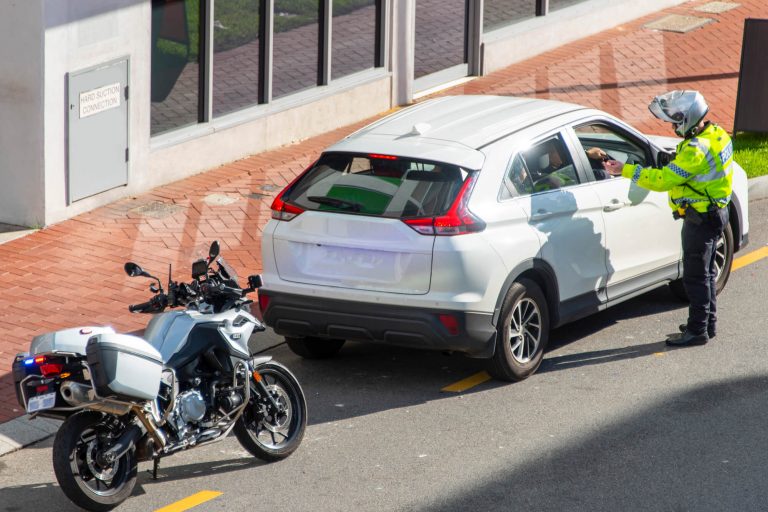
71	273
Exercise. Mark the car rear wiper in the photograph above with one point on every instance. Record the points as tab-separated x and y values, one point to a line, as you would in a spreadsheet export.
336	203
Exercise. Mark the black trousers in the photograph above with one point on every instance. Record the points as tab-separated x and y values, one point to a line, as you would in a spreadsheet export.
699	272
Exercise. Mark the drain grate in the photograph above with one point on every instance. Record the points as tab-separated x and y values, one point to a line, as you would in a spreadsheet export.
716	7
157	210
678	23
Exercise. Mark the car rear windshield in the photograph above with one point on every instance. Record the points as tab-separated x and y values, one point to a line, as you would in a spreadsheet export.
378	185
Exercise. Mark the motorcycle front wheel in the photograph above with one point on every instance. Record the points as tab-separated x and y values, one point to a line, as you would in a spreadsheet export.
268	433
83	480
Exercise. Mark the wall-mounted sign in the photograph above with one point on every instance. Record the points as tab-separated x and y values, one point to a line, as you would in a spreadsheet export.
101	99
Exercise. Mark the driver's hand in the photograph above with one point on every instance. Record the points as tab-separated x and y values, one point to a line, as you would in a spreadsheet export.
596	154
614	167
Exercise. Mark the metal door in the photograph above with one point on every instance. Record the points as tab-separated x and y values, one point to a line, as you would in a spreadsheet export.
98	129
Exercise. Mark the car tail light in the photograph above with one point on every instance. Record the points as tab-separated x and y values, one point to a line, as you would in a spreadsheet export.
451	323
263	302
282	210
458	220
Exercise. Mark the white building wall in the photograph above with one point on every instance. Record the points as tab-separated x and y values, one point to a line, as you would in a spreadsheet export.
79	35
21	112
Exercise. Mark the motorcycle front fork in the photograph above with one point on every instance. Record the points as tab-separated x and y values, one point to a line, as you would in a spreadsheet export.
257	378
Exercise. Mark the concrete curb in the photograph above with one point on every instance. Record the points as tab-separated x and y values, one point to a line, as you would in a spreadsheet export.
20	432
758	188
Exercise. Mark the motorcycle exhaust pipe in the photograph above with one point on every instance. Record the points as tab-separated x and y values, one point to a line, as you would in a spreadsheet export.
75	393
125	442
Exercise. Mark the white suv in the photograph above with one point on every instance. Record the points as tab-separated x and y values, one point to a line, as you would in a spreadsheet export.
472	224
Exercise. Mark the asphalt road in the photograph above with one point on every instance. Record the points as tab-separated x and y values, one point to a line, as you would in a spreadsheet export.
613	420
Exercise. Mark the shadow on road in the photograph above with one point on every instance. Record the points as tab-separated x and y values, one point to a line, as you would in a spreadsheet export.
365	378
699	450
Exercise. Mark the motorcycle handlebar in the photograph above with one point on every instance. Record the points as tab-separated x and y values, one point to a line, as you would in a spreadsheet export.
140	307
157	303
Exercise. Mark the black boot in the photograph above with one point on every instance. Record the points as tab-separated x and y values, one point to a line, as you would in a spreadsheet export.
710	330
687	339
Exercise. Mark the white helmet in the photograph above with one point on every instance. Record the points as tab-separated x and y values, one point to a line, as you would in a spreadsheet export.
684	109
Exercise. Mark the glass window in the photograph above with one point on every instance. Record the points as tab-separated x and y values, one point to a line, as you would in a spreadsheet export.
353	36
617	146
499	13
378	185
296	46
518	181
554	5
236	32
440	35
175	81
550	165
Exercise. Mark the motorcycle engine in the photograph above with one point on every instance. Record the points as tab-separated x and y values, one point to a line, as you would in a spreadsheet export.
191	406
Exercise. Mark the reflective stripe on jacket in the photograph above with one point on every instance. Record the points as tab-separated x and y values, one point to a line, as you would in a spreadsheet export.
702	170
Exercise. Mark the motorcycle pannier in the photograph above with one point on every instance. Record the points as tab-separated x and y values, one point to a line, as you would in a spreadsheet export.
124	366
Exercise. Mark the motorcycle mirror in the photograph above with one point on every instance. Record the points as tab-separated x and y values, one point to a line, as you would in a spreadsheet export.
254	281
213	252
133	270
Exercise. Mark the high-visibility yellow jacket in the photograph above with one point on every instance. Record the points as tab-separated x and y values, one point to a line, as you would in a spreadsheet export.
701	173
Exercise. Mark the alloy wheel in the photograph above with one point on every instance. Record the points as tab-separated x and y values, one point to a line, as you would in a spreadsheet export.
525	330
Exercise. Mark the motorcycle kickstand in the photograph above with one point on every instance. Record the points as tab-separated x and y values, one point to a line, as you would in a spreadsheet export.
155	467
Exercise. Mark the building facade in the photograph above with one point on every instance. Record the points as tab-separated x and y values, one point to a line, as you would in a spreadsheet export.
101	99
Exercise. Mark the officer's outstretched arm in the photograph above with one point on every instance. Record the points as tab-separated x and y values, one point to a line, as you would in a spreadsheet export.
689	162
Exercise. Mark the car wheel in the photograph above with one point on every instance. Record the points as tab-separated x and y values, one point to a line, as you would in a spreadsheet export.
723	261
522	333
311	347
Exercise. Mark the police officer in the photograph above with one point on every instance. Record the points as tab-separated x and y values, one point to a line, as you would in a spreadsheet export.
699	184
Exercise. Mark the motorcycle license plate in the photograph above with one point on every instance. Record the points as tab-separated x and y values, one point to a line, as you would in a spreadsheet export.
41	402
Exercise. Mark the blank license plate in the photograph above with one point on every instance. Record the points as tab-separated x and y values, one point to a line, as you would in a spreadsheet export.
40	402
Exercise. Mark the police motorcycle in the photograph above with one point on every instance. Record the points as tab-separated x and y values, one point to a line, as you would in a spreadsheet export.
188	381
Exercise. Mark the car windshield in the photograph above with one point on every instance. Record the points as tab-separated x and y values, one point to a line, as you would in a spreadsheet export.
378	185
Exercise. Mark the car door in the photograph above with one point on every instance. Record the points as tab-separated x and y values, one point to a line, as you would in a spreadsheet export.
567	216
642	239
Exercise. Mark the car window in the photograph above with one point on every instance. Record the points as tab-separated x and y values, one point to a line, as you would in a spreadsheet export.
549	164
616	145
378	185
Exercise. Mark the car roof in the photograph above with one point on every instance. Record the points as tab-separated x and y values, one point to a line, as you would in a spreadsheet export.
452	128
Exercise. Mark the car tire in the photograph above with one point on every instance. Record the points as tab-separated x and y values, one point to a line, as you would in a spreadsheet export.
311	347
723	260
522	333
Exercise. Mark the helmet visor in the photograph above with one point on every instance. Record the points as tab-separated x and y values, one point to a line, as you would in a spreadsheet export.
663	108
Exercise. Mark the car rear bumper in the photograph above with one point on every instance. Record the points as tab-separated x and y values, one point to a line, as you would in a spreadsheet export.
297	316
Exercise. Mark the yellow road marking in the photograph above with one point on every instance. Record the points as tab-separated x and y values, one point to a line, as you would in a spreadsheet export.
467	383
190	502
749	258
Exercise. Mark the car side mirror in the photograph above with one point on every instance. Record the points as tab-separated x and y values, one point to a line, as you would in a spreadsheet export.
133	270
663	159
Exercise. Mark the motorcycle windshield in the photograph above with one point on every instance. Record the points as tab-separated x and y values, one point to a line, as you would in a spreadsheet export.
229	270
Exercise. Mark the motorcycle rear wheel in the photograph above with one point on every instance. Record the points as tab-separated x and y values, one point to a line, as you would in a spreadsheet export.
82	479
267	434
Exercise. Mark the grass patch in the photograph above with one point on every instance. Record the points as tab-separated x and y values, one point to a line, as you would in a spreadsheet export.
751	152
